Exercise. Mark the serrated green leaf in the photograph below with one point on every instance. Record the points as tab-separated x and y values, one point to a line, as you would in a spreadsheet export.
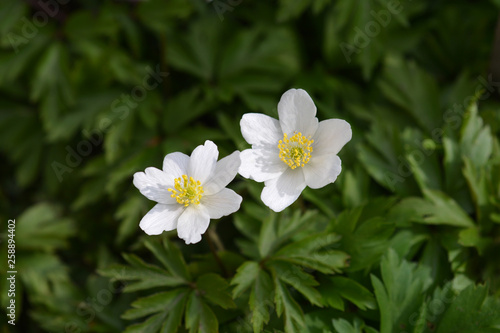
267	235
327	262
343	326
171	257
384	305
299	280
245	277
365	232
174	319
146	276
199	317
42	227
476	142
437	208
261	300
402	292
285	304
309	244
419	96
335	287
152	325
164	301
215	289
472	311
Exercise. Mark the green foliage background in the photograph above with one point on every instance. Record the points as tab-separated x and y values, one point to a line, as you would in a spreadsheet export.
406	240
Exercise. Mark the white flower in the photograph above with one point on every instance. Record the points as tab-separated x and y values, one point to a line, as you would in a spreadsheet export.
294	152
189	191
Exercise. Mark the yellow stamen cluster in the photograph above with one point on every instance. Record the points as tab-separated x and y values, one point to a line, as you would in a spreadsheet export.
187	191
296	151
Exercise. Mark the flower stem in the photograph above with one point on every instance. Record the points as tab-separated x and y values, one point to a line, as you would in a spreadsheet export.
211	239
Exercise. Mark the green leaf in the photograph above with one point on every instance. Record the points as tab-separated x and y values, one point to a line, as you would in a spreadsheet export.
215	289
43	274
51	85
312	252
267	235
309	244
437	208
343	326
472	237
481	183
472	311
327	262
294	317
146	276
355	187
418	96
181	109
171	257
423	160
261	300
12	65
245	277
11	12
174	319
160	302
299	280
384	305
476	142
402	292
157	14
381	157
195	54
199	317
333	288
129	212
365	233
152	325
42	227
117	136
290	9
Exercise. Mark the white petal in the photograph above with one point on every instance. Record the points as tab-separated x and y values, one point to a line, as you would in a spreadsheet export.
221	204
297	113
225	171
193	223
281	192
202	162
176	164
161	218
259	129
154	185
322	170
331	136
261	164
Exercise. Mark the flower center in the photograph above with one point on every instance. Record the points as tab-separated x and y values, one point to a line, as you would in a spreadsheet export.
296	151
187	190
